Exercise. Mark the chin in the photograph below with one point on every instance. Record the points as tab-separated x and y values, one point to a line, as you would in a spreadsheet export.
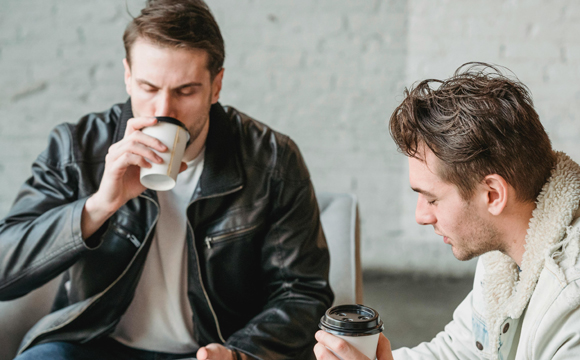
463	256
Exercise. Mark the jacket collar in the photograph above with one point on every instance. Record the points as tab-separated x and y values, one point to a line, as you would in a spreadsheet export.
222	170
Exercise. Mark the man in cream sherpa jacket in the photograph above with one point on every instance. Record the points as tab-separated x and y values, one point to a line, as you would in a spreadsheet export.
489	182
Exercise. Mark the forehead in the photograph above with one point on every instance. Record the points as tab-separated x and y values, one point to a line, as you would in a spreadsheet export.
423	172
149	59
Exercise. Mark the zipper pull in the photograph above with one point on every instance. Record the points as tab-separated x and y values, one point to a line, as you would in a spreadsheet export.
134	240
208	242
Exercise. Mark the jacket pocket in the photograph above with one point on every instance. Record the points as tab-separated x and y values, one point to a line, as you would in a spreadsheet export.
224	237
98	268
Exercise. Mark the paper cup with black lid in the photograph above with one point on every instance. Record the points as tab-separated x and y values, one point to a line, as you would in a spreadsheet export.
173	134
359	325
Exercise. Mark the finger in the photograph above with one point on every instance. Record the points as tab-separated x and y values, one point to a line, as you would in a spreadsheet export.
137	144
183	167
202	354
119	157
126	160
322	353
139	123
144	139
384	351
217	351
339	346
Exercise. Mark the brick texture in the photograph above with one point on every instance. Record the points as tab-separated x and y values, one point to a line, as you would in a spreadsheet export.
327	73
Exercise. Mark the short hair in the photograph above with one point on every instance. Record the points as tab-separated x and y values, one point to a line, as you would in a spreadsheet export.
182	24
478	122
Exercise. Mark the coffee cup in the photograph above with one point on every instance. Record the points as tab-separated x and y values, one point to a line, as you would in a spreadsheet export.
173	134
358	325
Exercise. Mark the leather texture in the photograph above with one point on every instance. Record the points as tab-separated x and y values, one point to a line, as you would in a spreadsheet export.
258	259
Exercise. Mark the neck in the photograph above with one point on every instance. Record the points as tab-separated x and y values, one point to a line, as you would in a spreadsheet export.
516	228
196	145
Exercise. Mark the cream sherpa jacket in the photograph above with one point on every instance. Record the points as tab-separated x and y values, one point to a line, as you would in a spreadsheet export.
541	303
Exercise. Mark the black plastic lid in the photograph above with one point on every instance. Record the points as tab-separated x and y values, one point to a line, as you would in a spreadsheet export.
174	121
351	320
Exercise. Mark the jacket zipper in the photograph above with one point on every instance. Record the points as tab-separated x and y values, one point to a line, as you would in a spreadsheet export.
132	238
197	260
209	240
97	297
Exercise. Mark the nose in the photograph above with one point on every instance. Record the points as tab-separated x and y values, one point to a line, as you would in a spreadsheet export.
424	213
164	105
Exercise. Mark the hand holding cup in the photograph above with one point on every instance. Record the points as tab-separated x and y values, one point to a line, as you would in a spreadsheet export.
351	332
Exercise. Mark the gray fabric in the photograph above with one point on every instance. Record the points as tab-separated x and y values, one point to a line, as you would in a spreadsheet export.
339	217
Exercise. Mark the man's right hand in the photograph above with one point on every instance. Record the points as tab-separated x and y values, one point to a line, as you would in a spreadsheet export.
120	182
328	342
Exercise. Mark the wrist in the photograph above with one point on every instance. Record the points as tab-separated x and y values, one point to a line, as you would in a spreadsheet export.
100	208
94	216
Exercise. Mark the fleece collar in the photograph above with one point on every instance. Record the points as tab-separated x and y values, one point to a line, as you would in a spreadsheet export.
507	291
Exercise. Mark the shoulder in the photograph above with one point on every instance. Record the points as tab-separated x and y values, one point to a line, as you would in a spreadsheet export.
265	147
87	140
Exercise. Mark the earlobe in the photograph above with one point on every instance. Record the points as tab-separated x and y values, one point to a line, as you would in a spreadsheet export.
497	193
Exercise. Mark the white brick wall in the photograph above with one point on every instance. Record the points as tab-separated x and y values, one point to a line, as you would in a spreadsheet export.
327	72
537	40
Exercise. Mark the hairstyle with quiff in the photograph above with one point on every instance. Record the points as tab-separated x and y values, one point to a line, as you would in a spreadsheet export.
478	122
181	24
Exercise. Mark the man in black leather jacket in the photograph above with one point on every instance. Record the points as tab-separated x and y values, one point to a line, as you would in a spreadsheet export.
256	259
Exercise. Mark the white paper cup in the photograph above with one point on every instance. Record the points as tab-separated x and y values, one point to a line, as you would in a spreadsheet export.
358	325
365	344
173	134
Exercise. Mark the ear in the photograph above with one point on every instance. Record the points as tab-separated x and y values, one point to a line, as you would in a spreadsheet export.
495	194
216	86
127	76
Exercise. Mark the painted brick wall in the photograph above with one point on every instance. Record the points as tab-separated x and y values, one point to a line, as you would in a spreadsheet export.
326	72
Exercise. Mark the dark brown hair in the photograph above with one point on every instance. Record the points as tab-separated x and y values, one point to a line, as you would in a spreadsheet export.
478	122
186	24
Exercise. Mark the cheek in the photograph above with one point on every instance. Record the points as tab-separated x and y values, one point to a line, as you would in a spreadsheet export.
142	104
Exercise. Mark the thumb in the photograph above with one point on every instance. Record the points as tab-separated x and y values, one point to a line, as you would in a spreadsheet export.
182	167
384	349
202	352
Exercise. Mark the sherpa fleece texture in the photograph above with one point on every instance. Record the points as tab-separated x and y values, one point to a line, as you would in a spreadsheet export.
549	235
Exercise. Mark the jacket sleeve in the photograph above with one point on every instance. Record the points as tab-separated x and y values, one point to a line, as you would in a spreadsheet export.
41	235
295	263
557	335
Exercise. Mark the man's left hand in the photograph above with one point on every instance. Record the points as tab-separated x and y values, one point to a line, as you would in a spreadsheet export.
215	352
329	346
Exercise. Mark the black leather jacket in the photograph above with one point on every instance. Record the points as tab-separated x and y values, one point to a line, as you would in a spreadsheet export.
258	260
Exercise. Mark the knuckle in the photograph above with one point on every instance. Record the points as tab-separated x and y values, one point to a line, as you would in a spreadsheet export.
341	345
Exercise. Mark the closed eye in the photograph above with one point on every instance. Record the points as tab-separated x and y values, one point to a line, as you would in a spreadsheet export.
148	88
186	91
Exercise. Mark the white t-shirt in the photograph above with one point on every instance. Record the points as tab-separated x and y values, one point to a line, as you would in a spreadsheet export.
160	318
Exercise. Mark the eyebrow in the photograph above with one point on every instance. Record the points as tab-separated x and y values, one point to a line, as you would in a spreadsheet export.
142	81
424	192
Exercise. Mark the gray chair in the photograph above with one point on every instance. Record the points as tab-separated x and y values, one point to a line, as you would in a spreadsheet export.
339	217
18	316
